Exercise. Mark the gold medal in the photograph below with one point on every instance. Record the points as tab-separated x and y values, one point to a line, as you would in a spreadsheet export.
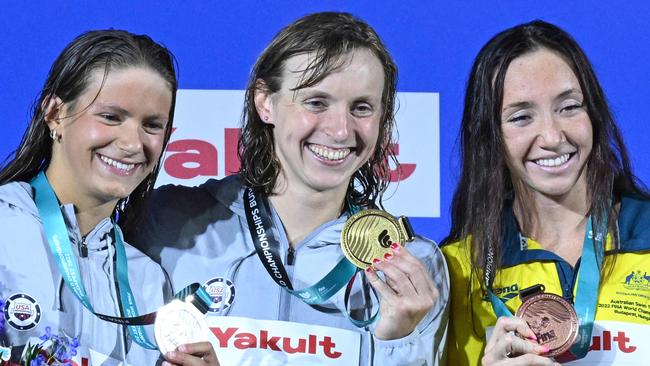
368	234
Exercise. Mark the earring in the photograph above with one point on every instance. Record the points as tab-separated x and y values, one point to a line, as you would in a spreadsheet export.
53	134
266	118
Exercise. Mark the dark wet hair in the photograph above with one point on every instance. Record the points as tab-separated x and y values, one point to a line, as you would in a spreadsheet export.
485	186
330	36
68	79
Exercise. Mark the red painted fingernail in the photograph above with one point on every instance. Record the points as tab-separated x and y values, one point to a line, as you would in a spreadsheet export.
368	269
545	349
532	337
388	256
375	261
395	246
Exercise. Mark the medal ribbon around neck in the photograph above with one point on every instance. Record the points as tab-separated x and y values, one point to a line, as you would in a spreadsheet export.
61	248
267	245
586	299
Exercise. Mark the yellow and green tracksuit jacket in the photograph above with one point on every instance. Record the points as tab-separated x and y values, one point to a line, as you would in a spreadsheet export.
621	334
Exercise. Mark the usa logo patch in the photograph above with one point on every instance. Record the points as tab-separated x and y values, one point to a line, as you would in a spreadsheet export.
22	312
222	292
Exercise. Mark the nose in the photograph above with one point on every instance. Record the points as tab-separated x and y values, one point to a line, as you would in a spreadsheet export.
551	133
338	124
129	139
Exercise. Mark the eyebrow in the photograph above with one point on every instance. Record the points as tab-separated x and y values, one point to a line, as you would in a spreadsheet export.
568	92
122	111
113	108
517	105
525	104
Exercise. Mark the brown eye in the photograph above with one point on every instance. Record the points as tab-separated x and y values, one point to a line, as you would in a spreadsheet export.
154	127
362	110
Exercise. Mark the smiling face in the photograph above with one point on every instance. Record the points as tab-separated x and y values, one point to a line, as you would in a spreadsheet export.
108	142
324	133
546	128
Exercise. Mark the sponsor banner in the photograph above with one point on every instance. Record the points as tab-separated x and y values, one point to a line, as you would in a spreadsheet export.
244	341
613	343
617	343
204	145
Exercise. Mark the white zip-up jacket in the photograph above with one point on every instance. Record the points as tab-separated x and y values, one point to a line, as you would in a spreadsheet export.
200	234
27	267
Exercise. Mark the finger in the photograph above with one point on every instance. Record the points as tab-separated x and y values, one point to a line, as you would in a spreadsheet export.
199	349
511	344
184	359
524	360
397	277
507	324
414	269
510	349
385	292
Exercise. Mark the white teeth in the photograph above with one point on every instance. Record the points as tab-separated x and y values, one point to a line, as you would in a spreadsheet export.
116	164
553	162
327	153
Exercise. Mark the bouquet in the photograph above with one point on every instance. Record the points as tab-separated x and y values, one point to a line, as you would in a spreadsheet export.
52	349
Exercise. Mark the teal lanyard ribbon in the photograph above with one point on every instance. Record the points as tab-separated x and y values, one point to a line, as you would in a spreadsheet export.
266	241
586	299
61	248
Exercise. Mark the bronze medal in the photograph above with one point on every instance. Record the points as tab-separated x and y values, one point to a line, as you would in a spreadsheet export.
368	234
552	319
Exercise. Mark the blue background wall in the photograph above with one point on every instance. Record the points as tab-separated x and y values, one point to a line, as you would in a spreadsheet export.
433	42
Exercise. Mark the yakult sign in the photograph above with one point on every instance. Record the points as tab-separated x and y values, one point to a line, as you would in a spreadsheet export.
204	145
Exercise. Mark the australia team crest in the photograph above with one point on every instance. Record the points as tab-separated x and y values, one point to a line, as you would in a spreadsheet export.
637	281
22	312
222	292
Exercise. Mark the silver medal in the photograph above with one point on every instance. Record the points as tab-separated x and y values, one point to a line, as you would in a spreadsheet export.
179	323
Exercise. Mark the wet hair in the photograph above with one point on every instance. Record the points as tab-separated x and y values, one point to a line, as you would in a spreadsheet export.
68	79
485	185
330	37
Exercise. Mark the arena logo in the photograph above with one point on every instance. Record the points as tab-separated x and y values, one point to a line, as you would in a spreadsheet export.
204	145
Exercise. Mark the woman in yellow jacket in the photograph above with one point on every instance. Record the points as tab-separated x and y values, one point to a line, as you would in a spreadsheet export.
548	221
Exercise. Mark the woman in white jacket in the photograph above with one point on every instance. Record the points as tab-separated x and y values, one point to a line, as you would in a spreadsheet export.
86	164
315	147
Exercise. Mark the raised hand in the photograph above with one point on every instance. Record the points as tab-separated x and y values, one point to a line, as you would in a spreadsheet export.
406	293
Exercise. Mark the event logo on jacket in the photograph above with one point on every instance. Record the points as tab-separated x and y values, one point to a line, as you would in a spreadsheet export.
203	145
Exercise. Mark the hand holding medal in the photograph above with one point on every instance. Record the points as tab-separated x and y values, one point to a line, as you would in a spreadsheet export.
374	240
182	332
549	323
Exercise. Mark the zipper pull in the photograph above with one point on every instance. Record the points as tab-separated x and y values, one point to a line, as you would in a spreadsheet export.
290	255
83	248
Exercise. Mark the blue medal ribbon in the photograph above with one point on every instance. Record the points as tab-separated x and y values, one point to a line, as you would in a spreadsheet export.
586	299
265	238
61	248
